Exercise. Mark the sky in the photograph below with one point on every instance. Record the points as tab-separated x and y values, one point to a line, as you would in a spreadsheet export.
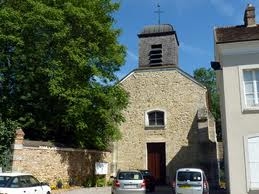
193	21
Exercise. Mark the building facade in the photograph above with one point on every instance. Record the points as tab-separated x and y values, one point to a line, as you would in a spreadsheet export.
237	67
167	125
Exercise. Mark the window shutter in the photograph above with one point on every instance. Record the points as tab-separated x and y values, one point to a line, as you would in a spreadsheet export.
253	161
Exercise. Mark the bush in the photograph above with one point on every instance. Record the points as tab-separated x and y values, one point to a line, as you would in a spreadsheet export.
89	182
110	182
100	182
59	184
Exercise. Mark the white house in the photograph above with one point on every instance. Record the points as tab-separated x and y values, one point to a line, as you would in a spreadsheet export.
237	67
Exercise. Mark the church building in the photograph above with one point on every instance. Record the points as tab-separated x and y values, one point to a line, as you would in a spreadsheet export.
167	124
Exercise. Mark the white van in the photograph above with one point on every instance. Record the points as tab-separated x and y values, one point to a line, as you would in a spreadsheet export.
190	181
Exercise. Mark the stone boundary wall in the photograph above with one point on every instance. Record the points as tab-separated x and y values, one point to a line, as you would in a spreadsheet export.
53	164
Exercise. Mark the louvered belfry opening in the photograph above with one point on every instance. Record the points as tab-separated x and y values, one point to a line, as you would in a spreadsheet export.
158	47
155	55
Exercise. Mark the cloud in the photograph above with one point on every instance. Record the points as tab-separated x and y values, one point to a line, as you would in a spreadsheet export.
193	50
224	7
132	55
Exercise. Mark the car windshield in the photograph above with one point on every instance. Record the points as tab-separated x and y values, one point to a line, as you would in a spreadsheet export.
129	176
189	176
4	180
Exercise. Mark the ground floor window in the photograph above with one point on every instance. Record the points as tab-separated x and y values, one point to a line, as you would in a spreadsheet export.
253	162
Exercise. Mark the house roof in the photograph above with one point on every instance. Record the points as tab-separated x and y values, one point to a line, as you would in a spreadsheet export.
236	34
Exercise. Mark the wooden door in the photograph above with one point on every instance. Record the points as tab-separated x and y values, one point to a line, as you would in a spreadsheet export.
156	161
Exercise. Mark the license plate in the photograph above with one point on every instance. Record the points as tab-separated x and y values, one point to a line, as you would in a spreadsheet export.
185	186
130	186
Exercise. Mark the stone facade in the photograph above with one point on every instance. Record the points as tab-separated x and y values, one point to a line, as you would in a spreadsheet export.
51	164
180	97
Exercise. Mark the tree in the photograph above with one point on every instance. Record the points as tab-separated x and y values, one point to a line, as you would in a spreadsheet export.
7	134
58	60
208	78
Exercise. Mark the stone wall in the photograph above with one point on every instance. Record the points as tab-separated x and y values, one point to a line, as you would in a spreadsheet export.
51	164
180	97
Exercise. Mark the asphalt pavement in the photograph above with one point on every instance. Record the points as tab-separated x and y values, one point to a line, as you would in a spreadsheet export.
107	190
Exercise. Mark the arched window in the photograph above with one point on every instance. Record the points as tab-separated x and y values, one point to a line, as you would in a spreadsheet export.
156	118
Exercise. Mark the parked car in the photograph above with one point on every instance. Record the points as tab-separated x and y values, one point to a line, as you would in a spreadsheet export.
21	183
190	181
128	181
149	180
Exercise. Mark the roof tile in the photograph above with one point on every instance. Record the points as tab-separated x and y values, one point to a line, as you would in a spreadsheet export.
236	34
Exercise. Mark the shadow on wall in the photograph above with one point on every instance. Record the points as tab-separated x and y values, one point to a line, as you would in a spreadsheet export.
81	166
196	154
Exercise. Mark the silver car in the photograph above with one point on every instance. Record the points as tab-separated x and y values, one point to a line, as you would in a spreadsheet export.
128	182
190	181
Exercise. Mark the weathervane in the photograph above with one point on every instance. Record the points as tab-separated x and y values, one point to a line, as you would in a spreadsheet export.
158	12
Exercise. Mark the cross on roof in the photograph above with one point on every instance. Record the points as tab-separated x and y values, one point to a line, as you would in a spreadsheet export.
158	12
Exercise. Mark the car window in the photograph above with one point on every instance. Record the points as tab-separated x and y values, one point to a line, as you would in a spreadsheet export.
33	181
189	176
129	176
25	181
28	181
15	183
4	180
145	173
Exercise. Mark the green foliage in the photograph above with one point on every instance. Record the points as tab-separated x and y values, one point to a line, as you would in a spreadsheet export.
58	60
92	181
110	182
89	181
100	182
208	78
59	184
7	134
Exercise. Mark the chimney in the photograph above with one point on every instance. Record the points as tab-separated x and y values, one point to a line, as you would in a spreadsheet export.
249	16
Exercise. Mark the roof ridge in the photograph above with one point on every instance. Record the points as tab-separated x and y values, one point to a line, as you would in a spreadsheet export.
236	26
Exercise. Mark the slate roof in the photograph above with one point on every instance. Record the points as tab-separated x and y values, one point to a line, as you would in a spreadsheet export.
236	34
158	30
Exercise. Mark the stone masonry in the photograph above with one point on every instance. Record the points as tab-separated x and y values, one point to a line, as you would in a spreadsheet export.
180	97
51	164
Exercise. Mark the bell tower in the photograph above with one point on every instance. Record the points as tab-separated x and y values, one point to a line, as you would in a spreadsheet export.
158	46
